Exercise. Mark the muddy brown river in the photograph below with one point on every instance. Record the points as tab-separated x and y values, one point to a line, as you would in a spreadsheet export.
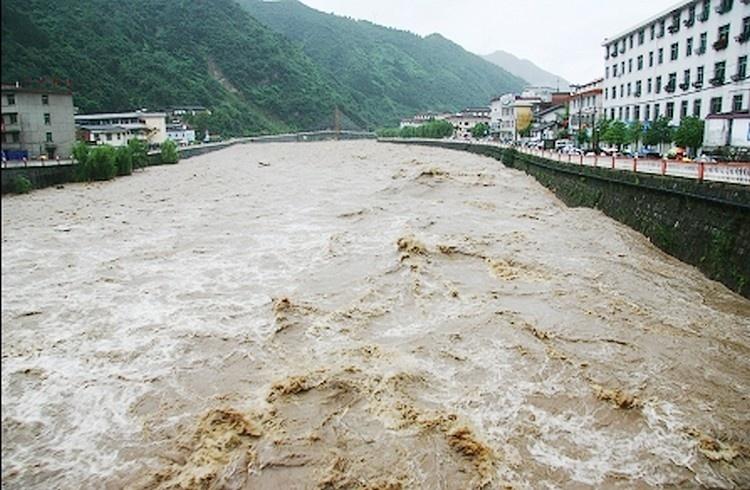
357	315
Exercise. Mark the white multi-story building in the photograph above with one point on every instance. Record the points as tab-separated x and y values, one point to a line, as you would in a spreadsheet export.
464	121
503	118
690	60
586	106
117	129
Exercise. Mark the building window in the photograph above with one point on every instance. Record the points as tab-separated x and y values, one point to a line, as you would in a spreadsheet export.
647	113
15	137
47	119
686	80
737	103
109	136
641	37
699	77
630	65
697	108
657	111
662	25
619	113
650	59
637	113
627	113
649	85
11	99
670	110
45	99
657	89
719	72
684	109
675	27
661	55
614	70
12	118
723	38
638	88
724	6
703	43
629	92
614	93
745	29
715	105
653	31
606	72
691	16
705	11
640	63
689	46
630	41
622	90
741	68
674	51
49	138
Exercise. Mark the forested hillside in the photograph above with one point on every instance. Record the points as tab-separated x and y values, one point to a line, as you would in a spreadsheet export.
387	73
291	75
125	54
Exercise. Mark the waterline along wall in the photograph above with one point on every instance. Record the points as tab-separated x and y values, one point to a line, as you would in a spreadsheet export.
706	224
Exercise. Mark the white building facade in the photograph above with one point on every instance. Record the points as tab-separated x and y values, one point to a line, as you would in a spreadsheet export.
181	134
690	60
586	106
503	118
117	129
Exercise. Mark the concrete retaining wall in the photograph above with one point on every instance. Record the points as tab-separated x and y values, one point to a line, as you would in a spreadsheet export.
704	224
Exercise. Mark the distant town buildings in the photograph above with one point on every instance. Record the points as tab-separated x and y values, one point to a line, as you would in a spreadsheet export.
181	134
690	60
117	129
37	122
464	121
422	118
586	107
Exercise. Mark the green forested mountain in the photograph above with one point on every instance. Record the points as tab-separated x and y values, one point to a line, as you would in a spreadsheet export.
126	54
386	73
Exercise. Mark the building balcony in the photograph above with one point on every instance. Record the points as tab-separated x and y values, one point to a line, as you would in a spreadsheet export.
689	22
701	50
698	84
743	38
738	77
704	16
637	93
614	55
670	87
721	44
717	81
685	85
722	8
674	28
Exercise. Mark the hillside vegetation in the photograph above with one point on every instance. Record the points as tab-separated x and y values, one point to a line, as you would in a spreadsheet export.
291	75
122	55
386	73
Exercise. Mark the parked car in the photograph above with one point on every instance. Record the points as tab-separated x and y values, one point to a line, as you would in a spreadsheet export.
705	159
648	153
559	144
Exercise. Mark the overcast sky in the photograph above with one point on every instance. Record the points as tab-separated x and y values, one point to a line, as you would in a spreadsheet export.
561	36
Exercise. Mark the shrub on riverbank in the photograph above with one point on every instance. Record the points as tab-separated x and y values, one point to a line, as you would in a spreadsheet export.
22	185
138	153
432	129
169	153
124	160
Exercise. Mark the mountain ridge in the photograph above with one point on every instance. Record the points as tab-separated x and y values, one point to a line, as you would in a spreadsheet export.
527	70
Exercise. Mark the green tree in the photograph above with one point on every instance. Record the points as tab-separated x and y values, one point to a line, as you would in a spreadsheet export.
124	160
616	134
689	134
480	130
169	153
582	137
80	152
138	153
98	164
635	133
600	128
658	132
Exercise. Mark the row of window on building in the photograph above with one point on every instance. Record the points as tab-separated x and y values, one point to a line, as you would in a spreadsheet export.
657	29
653	111
655	84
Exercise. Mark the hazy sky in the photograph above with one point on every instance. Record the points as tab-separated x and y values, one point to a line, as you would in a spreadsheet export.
561	36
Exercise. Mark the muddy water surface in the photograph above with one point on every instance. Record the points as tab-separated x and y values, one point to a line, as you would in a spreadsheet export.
357	315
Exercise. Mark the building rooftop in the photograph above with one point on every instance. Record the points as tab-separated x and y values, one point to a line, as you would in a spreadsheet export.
650	20
31	89
117	115
102	128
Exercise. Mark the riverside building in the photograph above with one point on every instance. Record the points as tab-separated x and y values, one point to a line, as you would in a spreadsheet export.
690	60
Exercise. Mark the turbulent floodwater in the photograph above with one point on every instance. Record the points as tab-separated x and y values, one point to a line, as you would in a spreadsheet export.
357	315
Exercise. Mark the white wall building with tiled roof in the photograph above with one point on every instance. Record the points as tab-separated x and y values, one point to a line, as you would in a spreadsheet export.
690	60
